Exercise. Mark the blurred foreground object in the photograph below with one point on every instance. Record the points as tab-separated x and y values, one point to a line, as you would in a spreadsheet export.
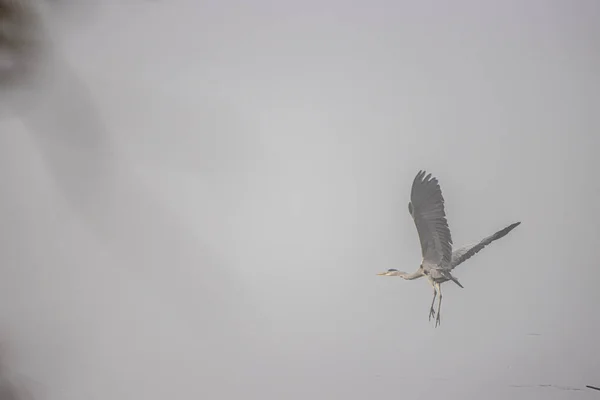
98	184
38	87
10	387
22	44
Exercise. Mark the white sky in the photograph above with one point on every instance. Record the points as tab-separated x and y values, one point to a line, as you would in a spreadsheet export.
200	212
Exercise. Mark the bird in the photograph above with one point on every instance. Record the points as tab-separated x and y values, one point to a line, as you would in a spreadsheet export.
426	207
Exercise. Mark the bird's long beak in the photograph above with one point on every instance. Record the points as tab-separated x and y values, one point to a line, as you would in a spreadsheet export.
382	273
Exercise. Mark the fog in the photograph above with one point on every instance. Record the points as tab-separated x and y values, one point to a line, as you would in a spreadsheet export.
197	203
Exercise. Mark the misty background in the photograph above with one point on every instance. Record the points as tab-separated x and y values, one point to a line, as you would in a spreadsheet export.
199	201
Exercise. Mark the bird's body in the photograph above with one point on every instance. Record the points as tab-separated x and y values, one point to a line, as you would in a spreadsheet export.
426	206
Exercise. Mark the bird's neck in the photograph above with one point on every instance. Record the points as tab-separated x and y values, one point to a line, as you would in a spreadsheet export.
417	274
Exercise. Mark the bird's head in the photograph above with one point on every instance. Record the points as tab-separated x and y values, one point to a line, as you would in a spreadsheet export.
391	272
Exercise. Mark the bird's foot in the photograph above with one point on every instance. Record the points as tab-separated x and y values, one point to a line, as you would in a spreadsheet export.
437	320
431	313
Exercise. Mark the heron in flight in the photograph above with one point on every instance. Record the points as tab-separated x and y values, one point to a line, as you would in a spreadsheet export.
426	206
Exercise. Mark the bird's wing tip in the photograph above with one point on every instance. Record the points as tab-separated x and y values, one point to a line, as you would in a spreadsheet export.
419	176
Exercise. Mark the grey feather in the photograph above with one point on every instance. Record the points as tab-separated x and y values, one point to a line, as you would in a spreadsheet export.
464	253
427	209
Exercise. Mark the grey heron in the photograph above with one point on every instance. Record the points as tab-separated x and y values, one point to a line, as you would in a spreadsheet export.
426	206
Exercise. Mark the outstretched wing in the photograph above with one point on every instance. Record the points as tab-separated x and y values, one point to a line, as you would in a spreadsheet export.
464	253
427	209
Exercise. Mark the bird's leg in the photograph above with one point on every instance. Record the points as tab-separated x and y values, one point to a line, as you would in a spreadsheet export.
431	310
437	318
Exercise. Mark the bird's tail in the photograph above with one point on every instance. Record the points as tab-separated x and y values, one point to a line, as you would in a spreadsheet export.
457	282
448	275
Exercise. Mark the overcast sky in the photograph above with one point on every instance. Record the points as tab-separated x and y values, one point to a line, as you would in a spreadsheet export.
200	206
